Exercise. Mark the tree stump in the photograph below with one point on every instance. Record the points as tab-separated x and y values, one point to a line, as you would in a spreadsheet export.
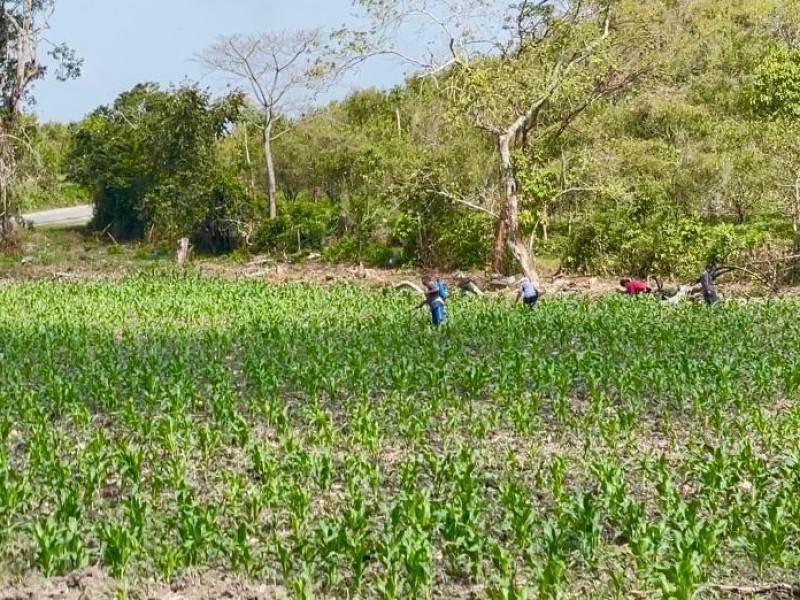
183	252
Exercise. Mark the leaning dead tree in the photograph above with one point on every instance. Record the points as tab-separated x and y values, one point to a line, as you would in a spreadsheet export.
283	71
553	60
22	27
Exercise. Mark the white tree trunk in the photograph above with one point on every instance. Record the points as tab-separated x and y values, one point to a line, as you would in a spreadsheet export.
518	248
247	159
183	252
796	210
26	70
5	218
7	168
270	171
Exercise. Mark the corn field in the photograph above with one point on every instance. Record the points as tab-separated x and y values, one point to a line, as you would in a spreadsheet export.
330	441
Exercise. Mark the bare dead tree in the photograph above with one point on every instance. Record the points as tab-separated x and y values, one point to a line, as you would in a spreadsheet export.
429	36
284	71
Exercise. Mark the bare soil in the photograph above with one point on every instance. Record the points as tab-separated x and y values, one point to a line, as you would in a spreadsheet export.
74	255
93	584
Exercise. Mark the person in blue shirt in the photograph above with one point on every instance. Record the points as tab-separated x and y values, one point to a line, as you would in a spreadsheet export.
528	293
434	300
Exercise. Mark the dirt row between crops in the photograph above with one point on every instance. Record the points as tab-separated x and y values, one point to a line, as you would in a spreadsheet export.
325	274
93	584
72	256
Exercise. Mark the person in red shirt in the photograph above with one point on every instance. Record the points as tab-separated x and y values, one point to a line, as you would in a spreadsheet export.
634	287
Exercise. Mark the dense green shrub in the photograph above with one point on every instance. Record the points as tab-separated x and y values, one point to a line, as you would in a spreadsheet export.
151	160
302	225
616	244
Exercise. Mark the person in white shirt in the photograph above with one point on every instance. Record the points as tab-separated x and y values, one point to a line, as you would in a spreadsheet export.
528	293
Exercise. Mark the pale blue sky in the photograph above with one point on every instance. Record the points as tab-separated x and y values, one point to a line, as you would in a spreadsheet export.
125	42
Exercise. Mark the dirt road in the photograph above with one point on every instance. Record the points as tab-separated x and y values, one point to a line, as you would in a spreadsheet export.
61	217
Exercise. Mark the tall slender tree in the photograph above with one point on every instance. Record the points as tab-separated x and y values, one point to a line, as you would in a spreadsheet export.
23	24
283	71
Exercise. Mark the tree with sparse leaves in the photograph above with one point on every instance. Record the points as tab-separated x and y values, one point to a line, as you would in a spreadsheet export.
22	27
524	83
283	71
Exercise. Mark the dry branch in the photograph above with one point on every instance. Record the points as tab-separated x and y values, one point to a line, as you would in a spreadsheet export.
466	284
409	286
753	274
793	590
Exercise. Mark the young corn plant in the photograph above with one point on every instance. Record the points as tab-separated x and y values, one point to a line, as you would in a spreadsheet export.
165	423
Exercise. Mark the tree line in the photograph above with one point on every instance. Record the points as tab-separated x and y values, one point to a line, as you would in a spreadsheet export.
643	137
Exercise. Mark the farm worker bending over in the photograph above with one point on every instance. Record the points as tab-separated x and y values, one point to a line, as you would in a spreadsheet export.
528	293
434	292
633	287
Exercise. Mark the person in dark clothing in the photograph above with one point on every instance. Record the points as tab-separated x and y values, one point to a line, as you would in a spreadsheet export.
433	299
706	281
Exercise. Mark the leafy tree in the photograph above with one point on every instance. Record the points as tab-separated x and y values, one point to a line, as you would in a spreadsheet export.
684	145
557	61
775	95
621	136
41	150
402	176
150	159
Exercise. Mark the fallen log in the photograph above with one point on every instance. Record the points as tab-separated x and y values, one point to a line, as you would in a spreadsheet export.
683	292
498	282
466	284
470	286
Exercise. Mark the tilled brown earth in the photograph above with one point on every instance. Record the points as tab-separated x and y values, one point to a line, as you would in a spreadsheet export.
93	584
